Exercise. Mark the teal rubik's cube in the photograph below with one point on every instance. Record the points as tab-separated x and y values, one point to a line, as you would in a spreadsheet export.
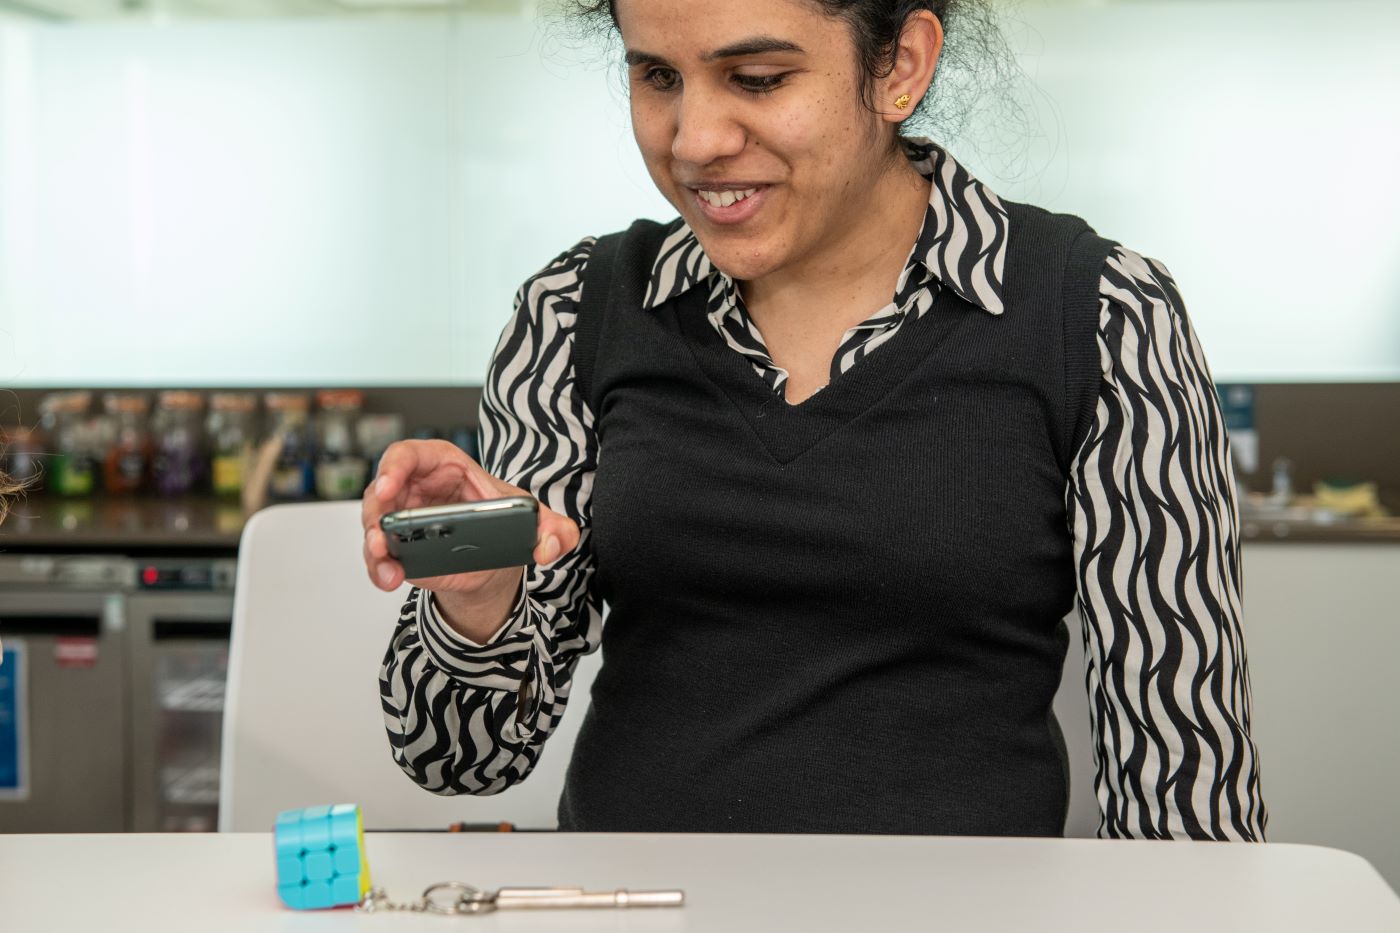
321	857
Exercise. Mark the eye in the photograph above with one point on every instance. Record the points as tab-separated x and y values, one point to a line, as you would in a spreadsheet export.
760	84
663	79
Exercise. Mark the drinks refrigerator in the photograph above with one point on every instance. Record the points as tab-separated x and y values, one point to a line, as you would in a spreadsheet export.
116	684
63	685
178	625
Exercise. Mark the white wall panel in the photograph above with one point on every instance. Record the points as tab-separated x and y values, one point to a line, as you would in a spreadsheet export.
356	200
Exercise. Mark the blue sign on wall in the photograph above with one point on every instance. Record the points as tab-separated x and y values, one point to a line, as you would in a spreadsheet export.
14	771
1237	407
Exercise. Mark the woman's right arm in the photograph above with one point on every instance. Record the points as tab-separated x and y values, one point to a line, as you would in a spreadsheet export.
470	715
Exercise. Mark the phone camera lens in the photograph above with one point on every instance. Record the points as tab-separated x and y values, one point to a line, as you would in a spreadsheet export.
439	531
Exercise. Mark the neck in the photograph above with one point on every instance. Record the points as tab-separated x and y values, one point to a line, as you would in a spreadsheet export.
852	272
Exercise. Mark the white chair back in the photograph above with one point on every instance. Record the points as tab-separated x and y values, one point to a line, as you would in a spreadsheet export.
303	723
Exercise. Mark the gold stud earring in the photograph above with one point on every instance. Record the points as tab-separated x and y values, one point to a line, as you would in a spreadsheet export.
902	101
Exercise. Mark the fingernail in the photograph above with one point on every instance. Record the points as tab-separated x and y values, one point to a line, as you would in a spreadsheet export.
386	574
380	485
551	548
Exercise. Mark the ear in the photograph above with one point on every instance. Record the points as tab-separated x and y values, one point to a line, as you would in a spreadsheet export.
915	57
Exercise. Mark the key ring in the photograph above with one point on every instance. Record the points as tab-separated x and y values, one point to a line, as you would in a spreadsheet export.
467	899
321	862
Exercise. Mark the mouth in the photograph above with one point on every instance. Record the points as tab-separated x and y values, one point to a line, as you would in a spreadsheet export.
727	203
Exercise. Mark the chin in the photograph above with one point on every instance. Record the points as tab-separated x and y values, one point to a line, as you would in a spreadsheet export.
738	257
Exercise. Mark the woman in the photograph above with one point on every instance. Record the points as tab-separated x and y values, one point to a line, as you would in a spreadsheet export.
838	447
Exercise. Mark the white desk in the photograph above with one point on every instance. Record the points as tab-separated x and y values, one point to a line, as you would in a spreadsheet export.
843	884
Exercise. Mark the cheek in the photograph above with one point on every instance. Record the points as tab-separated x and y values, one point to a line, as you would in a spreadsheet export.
651	129
822	132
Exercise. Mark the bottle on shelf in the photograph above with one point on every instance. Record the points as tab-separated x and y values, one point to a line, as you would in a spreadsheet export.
375	433
340	469
1281	495
293	473
74	446
179	465
128	449
232	433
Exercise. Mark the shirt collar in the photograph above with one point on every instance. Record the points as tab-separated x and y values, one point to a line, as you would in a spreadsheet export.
962	242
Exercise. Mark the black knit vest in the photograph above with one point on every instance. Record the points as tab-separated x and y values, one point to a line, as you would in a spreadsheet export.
841	616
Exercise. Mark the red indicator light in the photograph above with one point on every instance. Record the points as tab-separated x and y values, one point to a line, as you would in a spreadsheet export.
150	576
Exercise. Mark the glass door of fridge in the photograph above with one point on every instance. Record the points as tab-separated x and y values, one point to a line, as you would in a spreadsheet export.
179	654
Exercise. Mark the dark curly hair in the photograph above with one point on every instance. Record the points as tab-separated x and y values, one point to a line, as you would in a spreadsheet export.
8	488
975	56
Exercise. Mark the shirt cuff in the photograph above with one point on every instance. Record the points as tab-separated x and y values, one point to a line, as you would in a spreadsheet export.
499	664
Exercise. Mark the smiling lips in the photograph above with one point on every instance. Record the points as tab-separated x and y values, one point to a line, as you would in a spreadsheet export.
727	203
724	198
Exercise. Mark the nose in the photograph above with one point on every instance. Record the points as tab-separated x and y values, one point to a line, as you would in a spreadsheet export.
705	129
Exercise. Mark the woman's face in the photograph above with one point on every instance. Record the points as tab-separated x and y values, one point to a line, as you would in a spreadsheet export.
749	118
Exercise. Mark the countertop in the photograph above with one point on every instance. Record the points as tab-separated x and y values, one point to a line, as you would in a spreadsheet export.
732	883
102	523
1341	531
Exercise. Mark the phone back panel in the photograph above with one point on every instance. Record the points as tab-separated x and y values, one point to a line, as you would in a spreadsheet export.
441	545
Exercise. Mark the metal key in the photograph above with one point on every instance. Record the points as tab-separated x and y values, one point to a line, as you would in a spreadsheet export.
469	900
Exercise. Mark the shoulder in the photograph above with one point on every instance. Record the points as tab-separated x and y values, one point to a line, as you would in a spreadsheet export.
557	286
1127	280
1133	282
546	307
658	253
1145	333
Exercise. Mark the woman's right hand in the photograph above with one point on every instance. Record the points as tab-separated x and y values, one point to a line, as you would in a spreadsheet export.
413	474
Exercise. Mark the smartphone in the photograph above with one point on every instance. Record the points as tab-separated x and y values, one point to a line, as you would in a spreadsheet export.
443	539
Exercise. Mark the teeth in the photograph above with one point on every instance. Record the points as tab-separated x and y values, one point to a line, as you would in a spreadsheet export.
725	198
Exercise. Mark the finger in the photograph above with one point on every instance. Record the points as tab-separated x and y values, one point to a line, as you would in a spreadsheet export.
382	495
486	486
563	528
371	509
557	535
404	462
399	461
390	574
387	574
400	467
376	544
383	573
443	473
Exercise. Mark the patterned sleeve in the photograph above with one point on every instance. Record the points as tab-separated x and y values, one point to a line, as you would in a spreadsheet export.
1152	508
465	718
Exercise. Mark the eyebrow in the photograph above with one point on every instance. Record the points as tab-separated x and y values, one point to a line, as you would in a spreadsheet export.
757	45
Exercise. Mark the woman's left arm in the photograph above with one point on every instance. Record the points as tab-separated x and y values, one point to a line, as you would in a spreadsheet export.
1152	507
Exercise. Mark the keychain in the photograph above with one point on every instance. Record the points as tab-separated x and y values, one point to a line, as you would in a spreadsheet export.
453	897
321	862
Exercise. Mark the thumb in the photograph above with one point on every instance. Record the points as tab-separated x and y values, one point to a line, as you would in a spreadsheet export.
558	535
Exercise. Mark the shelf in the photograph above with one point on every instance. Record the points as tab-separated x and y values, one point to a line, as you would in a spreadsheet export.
198	785
122	522
203	695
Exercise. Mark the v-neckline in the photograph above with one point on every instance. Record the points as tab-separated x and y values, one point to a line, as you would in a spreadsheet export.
788	431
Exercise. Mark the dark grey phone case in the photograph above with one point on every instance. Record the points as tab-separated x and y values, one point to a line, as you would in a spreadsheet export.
445	539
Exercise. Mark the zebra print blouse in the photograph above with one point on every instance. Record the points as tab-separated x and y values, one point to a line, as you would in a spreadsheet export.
1150	504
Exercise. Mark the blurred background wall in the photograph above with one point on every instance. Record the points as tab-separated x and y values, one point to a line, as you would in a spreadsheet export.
345	199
